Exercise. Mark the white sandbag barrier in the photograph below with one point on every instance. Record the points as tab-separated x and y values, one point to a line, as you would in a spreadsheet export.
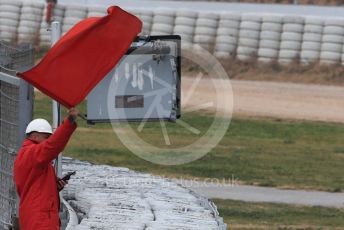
249	35
96	11
30	22
73	15
184	25
270	37
163	21
9	19
205	30
291	39
105	197
343	55
332	41
56	15
146	17
237	33
311	41
227	35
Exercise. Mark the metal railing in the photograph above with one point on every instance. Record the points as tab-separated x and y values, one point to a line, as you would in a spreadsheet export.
16	100
69	219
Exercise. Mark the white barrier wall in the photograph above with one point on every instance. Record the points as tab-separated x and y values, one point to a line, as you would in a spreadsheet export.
9	19
332	41
270	37
205	30
184	25
146	17
291	38
73	14
226	34
163	22
44	33
30	22
311	40
249	36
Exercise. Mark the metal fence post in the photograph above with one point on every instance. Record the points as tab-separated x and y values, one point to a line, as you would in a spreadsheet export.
25	108
55	36
25	116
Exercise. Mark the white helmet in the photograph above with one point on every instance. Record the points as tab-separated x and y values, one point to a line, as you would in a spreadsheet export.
39	125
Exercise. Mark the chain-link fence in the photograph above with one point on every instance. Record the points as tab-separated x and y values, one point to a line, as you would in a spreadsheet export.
15	112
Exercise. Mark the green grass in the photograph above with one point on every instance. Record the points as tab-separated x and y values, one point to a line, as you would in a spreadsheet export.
265	152
248	215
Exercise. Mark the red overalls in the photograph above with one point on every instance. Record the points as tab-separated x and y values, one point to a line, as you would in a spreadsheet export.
35	180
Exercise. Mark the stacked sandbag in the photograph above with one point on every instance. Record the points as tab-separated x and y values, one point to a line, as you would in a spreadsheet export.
332	41
270	38
343	55
227	35
45	33
163	22
184	25
9	19
205	31
96	11
105	197
30	22
134	11
73	15
249	35
291	38
146	16
137	12
311	41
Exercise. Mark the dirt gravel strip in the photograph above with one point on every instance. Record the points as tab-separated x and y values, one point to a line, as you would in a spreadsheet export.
272	99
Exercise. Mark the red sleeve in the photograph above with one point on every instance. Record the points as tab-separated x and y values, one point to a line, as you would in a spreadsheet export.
48	150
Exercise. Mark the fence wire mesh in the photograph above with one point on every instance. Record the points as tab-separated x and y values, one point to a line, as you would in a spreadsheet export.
11	59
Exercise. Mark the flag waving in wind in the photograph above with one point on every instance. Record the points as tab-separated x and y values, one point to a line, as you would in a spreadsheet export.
83	56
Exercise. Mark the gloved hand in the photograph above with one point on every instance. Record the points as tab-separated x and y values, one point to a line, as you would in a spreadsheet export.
73	114
60	184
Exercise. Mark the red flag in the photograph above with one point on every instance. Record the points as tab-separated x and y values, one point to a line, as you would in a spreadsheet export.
83	56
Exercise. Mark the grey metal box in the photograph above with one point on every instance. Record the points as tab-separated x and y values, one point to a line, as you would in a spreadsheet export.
145	84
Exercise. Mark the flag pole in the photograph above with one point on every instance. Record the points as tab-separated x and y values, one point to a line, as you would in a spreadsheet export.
56	108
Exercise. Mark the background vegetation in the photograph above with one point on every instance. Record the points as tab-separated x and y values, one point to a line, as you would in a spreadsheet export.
245	215
265	152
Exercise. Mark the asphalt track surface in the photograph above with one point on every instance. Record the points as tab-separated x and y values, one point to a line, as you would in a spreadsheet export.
265	194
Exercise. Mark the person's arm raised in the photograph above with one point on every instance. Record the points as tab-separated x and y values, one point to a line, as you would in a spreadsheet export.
49	149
